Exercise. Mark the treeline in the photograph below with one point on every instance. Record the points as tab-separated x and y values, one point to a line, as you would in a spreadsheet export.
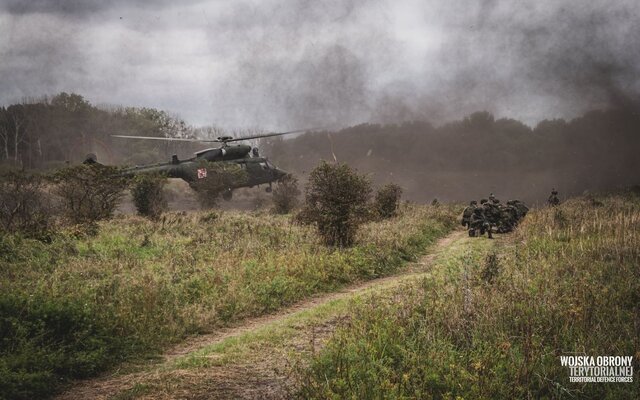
461	160
46	132
479	154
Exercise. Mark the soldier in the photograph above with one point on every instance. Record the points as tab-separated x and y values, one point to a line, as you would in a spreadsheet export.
521	207
498	213
513	211
466	214
492	213
478	223
91	159
553	200
508	217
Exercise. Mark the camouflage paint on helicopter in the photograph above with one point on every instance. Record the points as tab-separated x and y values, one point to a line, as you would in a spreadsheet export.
258	169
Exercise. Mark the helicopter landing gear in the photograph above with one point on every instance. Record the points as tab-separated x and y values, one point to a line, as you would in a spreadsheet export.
227	195
269	189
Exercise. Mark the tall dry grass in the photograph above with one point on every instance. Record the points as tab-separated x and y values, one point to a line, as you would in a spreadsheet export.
492	320
80	304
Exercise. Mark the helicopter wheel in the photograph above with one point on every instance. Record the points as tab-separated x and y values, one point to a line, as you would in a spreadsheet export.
227	195
269	189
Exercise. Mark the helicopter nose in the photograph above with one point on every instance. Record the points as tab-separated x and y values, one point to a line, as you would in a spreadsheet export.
278	173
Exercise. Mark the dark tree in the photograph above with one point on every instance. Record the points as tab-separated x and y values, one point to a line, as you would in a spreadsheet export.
25	207
148	195
387	200
89	193
336	201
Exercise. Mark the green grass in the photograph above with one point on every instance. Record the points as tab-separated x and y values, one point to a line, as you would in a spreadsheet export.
244	346
277	345
75	307
136	391
492	318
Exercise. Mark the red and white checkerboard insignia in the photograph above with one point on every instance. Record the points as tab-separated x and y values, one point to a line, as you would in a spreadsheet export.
202	173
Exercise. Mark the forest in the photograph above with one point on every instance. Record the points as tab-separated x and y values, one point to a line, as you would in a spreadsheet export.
459	160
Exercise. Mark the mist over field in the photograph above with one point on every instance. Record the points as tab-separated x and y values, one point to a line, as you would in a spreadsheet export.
335	64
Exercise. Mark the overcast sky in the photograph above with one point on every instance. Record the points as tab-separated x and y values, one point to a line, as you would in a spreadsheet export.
284	64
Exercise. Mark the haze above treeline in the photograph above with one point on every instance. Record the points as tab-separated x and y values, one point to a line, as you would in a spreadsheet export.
459	160
290	64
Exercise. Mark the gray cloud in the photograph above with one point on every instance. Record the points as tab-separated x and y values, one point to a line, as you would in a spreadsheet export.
571	53
290	63
75	8
62	7
528	60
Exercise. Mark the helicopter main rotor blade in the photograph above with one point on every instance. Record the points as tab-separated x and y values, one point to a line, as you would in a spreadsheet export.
267	135
219	140
165	138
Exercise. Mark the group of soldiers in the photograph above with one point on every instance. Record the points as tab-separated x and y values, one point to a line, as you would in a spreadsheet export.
491	215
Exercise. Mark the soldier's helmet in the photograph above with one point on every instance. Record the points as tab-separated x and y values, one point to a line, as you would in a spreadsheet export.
90	159
511	202
473	203
483	201
495	201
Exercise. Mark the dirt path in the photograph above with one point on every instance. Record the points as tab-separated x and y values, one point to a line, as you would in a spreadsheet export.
240	380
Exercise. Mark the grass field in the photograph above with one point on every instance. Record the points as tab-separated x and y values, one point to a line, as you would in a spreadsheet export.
80	305
494	317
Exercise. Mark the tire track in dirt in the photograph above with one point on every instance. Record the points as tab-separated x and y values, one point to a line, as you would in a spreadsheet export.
243	376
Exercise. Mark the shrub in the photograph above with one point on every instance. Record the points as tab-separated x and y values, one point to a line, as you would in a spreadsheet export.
387	201
285	195
89	193
49	339
221	177
148	196
25	207
336	201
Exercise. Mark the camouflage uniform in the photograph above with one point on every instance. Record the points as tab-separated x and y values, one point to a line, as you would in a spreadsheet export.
521	208
478	223
553	200
466	214
492	213
499	217
508	218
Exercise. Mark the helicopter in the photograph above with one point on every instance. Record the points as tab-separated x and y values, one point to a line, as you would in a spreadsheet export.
259	169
